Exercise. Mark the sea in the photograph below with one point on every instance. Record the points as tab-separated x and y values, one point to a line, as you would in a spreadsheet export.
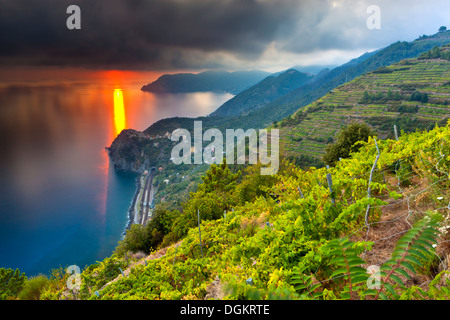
61	201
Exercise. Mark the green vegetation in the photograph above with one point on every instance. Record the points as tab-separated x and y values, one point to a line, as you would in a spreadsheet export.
212	199
138	238
33	288
11	283
14	285
412	94
380	97
263	92
436	53
299	246
419	96
409	250
347	142
220	190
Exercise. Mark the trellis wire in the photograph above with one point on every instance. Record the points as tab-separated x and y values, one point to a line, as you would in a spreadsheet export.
406	200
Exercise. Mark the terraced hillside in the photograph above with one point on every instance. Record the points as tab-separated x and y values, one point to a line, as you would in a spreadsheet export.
414	93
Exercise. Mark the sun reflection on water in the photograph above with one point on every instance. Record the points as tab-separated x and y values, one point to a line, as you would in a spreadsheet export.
119	111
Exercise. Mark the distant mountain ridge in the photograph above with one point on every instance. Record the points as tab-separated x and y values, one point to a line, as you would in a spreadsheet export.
287	104
265	91
314	69
216	81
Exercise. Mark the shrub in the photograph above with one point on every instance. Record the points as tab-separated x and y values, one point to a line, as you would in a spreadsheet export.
33	288
346	142
136	239
11	283
419	96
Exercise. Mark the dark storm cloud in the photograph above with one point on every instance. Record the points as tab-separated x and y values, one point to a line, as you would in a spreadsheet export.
162	33
190	34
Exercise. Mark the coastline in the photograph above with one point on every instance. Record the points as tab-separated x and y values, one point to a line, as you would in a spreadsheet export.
142	181
131	209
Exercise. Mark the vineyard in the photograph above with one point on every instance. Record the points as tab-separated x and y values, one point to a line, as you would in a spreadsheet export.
375	226
381	98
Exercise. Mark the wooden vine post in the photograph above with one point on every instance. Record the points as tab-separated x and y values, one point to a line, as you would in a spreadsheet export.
330	186
369	189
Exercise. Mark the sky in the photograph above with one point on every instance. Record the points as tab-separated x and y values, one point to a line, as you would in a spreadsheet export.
156	35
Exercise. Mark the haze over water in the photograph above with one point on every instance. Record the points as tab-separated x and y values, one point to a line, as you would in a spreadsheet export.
61	201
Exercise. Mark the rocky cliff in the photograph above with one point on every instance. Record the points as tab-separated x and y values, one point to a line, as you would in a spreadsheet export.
127	151
136	151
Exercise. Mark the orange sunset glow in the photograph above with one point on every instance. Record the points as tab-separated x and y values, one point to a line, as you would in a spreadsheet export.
119	111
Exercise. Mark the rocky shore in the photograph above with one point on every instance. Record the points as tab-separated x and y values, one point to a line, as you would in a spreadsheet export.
138	152
127	151
132	210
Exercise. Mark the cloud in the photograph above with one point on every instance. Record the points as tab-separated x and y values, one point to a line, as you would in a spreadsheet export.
200	34
153	33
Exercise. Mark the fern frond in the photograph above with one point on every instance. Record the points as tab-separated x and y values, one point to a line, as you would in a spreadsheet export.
410	249
348	267
304	284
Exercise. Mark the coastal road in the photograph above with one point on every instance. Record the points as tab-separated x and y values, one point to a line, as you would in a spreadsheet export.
147	198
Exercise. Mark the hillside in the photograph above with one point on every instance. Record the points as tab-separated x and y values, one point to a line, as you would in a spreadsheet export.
387	96
217	81
288	237
286	105
262	115
263	92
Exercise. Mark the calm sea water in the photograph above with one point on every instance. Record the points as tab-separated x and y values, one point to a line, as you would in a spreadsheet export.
61	201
